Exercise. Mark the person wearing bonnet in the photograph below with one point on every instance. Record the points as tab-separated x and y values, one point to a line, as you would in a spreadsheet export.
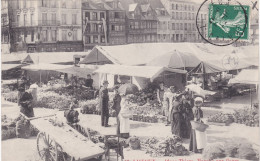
198	138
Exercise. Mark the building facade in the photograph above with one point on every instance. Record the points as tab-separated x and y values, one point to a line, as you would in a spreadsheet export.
163	21
116	29
5	27
46	26
141	22
182	25
93	19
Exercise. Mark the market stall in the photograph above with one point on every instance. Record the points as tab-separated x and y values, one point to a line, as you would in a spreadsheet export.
247	77
139	75
43	72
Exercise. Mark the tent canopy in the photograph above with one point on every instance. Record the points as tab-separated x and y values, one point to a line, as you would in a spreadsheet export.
220	65
39	67
77	71
27	59
140	54
44	57
246	76
5	67
175	59
205	67
137	71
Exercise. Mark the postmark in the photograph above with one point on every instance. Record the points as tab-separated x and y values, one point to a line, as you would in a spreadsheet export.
227	23
230	61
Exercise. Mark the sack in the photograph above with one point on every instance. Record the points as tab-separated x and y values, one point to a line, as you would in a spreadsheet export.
199	126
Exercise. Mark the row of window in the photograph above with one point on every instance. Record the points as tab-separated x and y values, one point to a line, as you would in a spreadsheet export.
117	40
46	3
73	19
187	16
94	16
183	26
94	39
94	27
143	25
27	20
182	7
183	16
51	35
18	36
181	37
141	38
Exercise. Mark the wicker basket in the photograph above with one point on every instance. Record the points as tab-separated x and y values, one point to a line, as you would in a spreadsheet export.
199	126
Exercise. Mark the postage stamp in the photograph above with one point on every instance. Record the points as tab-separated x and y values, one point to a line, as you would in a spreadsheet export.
228	21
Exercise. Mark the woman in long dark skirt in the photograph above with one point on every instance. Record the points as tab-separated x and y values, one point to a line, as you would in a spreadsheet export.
187	114
176	118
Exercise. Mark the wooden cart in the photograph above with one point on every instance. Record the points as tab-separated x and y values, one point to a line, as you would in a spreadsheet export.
54	141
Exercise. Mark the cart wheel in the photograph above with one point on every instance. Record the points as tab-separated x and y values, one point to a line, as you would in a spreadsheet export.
47	148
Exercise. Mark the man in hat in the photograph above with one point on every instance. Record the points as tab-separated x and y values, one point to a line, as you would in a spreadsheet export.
89	81
103	104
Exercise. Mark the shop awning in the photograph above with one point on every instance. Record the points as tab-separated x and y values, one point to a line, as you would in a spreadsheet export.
150	72
5	67
77	71
38	67
246	76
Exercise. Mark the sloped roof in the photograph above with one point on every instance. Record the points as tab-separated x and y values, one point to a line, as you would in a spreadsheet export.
132	7
156	4
125	4
89	5
145	7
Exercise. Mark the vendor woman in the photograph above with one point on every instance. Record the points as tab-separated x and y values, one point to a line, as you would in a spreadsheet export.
198	139
124	116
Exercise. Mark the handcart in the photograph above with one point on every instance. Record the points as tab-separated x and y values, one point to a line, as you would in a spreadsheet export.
53	142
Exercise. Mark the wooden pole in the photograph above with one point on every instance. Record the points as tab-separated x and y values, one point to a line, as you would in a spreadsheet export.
251	96
40	78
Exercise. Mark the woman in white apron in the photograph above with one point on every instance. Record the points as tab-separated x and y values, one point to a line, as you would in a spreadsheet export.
198	139
124	116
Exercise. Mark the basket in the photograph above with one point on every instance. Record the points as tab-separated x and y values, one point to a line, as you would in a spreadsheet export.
199	126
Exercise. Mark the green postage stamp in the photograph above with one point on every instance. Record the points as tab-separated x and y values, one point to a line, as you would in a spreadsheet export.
228	21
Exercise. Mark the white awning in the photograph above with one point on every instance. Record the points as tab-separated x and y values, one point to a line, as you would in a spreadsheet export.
136	71
38	67
11	66
246	76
